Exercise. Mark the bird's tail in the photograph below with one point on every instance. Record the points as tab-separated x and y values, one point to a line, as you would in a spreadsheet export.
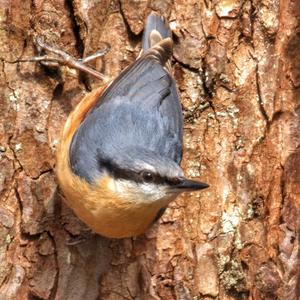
156	29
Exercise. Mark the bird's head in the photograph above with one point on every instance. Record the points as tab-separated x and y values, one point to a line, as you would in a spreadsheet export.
145	176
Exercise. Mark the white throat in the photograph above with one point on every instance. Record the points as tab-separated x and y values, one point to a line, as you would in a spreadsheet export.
142	192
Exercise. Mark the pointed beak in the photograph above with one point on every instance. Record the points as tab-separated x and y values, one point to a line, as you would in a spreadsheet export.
187	185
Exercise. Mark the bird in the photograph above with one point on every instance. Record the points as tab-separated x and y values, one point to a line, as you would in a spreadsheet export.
118	160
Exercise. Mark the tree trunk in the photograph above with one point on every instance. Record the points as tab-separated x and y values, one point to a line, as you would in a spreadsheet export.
237	65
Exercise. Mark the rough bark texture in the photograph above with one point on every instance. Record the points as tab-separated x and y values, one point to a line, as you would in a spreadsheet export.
237	64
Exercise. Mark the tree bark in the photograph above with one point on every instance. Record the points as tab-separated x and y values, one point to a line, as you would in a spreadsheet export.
237	66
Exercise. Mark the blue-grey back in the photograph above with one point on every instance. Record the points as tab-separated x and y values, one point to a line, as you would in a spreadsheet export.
141	109
138	115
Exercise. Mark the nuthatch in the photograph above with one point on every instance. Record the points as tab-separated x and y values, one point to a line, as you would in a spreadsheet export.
118	163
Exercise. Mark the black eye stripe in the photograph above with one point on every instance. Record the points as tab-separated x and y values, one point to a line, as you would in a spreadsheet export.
138	177
172	181
118	172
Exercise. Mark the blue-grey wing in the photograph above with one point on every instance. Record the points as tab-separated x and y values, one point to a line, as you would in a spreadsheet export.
141	109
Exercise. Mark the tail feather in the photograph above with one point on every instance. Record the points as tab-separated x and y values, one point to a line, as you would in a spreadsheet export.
161	51
156	29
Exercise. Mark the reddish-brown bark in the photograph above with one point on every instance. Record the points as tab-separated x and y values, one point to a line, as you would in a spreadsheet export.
237	65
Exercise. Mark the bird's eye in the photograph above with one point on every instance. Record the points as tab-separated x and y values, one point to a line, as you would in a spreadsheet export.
148	176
